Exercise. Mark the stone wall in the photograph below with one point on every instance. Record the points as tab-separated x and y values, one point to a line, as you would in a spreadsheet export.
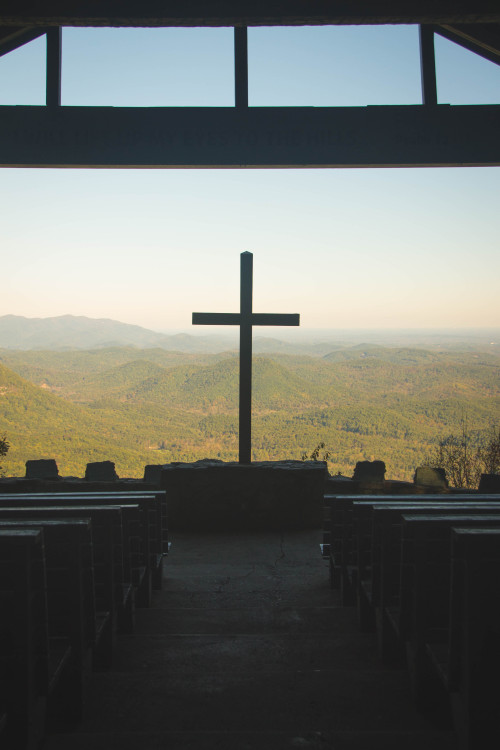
271	495
213	495
72	484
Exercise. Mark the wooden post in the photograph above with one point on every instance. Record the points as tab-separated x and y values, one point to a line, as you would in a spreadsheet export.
240	67
428	65
53	88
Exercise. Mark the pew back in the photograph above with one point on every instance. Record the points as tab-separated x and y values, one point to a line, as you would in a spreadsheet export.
107	541
24	641
152	517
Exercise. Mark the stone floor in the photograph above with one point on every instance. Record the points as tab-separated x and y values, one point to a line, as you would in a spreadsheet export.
247	648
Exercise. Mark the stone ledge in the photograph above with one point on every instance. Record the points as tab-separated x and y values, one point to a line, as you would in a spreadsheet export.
231	496
72	484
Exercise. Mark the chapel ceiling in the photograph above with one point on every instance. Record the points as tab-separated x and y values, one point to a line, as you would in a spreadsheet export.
474	24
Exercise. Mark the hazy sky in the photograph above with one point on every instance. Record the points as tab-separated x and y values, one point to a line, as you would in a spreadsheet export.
345	248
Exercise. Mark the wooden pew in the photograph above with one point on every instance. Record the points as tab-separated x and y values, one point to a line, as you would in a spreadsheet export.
132	575
159	544
474	649
425	585
337	538
378	581
107	537
424	581
344	547
28	668
159	532
383	544
3	720
153	529
359	528
70	607
156	514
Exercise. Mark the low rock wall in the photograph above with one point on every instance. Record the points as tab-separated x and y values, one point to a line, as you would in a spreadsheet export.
213	495
229	496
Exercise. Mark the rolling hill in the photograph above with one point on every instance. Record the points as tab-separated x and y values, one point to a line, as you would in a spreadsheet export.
137	406
39	424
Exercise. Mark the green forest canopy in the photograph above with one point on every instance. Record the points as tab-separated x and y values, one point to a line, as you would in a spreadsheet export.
143	406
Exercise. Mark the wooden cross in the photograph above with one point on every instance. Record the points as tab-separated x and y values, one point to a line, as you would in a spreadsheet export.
245	319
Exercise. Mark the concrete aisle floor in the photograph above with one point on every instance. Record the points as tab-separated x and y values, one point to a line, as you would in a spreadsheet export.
247	648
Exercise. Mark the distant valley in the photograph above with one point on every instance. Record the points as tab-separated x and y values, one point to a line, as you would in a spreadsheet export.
137	405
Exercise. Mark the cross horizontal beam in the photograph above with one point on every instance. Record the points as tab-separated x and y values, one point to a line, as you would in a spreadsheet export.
235	319
379	136
275	319
216	319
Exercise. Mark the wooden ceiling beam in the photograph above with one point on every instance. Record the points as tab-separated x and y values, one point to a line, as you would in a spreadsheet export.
13	37
482	39
260	137
245	12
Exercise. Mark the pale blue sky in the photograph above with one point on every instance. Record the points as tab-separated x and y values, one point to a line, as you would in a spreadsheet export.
345	248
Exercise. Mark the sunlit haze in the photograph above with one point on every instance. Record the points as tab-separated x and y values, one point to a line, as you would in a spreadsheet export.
396	248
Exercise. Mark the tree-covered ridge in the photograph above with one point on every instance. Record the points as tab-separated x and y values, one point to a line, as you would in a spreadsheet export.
153	406
60	368
40	424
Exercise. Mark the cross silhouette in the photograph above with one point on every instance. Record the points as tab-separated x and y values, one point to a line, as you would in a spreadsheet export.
245	319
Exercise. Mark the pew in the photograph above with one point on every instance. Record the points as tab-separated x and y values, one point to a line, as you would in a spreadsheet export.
343	552
159	527
133	574
377	544
378	580
113	611
411	556
156	513
29	666
424	603
474	646
81	611
3	720
70	607
153	523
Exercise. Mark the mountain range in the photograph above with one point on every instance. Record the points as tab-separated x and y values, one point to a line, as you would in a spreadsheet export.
69	332
79	332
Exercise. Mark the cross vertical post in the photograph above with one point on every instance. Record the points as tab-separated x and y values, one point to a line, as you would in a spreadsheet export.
245	411
245	319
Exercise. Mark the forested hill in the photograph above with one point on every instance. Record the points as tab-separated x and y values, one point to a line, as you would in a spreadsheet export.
140	406
208	388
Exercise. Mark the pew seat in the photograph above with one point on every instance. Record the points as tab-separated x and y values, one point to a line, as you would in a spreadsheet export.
379	579
70	611
107	546
152	535
25	673
376	532
425	586
338	534
474	649
380	561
